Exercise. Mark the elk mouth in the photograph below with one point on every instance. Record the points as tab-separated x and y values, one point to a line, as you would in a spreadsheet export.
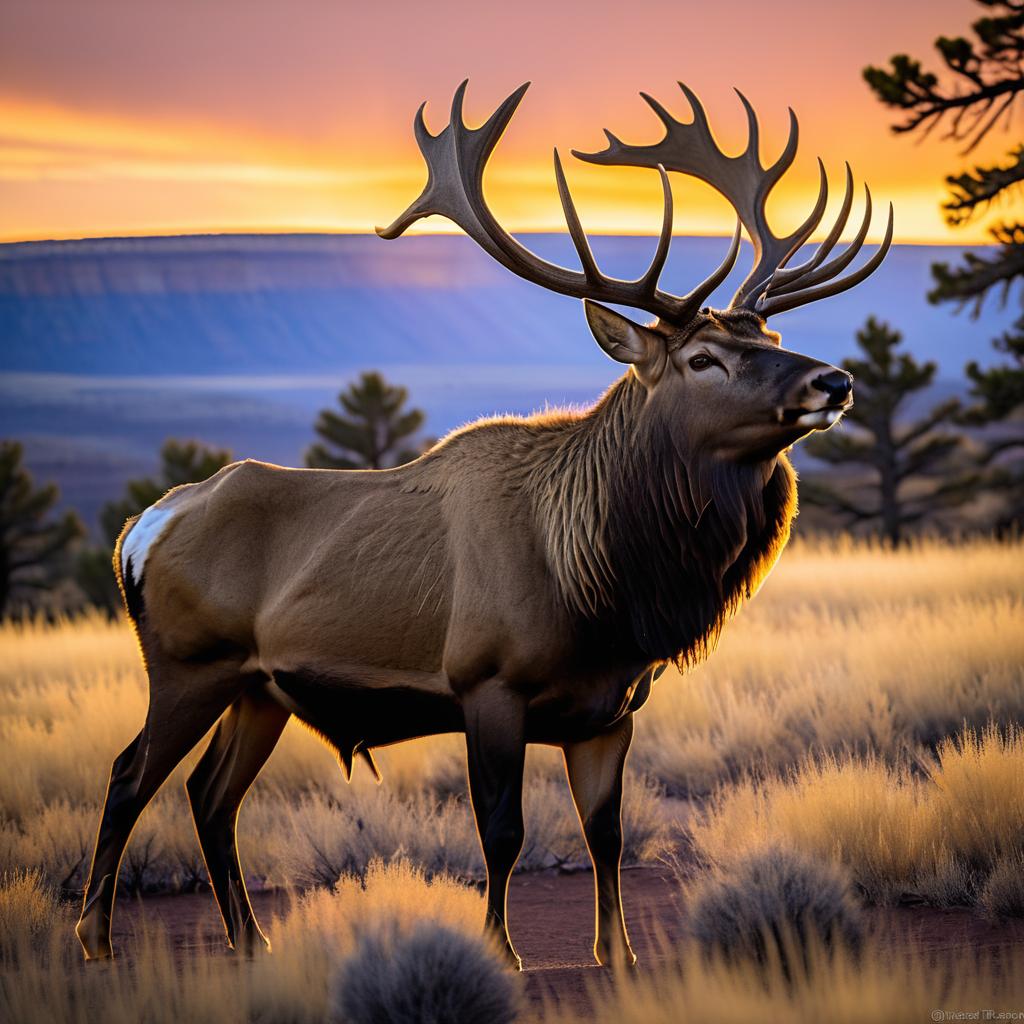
814	419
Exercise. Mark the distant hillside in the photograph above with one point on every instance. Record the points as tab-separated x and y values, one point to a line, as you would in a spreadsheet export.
308	303
111	345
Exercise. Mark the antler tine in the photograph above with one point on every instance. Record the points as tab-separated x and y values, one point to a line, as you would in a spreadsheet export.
456	158
746	182
742	179
700	115
663	115
779	304
787	274
709	284
835	266
572	220
648	282
754	130
786	157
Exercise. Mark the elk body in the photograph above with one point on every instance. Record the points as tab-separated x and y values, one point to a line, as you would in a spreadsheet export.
522	582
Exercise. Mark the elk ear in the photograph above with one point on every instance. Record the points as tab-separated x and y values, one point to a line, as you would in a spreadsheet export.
627	342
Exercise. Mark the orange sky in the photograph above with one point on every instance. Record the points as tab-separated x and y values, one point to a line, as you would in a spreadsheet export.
138	116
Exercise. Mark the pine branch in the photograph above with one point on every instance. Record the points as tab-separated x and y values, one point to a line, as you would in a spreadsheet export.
814	492
840	447
928	453
986	80
972	281
972	191
941	413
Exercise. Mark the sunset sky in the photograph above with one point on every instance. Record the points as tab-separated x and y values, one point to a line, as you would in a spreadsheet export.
137	117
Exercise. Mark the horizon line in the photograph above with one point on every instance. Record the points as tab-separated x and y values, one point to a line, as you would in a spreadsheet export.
363	233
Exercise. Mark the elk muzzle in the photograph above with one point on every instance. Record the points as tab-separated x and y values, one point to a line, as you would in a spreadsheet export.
823	395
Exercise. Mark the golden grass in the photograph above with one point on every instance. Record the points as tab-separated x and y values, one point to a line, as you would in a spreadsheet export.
938	837
27	907
840	988
46	980
291	985
73	694
848	648
861	711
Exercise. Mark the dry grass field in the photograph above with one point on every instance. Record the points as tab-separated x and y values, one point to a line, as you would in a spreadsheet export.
864	712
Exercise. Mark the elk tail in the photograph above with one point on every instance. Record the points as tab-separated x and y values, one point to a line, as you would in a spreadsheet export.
131	589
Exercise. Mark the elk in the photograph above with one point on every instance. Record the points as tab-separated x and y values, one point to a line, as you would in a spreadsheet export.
524	581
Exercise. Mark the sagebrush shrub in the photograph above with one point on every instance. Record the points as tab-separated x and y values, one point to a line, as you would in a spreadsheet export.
1003	893
773	905
29	909
430	975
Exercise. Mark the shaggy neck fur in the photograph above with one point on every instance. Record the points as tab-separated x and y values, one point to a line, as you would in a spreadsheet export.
659	543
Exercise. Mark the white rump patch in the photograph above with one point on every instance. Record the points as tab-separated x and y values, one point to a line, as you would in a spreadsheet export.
140	538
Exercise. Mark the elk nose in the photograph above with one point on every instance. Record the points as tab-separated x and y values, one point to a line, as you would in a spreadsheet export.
837	384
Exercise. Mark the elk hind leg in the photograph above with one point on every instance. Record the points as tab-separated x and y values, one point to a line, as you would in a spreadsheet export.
594	768
245	737
172	728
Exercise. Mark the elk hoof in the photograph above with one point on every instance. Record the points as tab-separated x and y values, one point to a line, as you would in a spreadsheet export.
512	959
253	943
95	944
616	957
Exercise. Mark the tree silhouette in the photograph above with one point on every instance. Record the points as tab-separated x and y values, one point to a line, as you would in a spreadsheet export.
910	473
181	462
999	391
998	394
986	77
372	433
33	547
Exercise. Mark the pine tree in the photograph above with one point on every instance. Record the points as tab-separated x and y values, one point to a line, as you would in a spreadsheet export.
986	78
999	392
33	547
372	434
181	462
998	406
909	475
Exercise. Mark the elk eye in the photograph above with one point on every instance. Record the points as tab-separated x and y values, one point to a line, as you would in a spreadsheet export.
701	362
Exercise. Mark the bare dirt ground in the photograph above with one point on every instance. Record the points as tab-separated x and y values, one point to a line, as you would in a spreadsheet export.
552	920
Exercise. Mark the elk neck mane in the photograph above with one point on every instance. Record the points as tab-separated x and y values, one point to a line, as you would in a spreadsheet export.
646	537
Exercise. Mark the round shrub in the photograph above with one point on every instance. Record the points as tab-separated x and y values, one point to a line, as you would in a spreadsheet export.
429	975
1003	892
774	905
29	912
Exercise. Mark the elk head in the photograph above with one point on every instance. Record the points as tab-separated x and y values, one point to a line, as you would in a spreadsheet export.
718	378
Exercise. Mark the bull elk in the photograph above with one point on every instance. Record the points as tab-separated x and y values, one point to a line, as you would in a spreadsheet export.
522	582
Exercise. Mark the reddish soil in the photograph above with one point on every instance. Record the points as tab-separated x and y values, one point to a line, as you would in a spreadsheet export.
552	920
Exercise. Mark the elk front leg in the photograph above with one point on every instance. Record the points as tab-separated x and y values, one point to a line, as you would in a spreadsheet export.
595	769
496	750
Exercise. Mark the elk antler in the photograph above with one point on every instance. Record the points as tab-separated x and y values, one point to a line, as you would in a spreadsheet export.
455	160
770	287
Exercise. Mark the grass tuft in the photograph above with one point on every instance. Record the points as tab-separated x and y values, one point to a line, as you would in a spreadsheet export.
1002	896
773	905
431	975
933	837
29	909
